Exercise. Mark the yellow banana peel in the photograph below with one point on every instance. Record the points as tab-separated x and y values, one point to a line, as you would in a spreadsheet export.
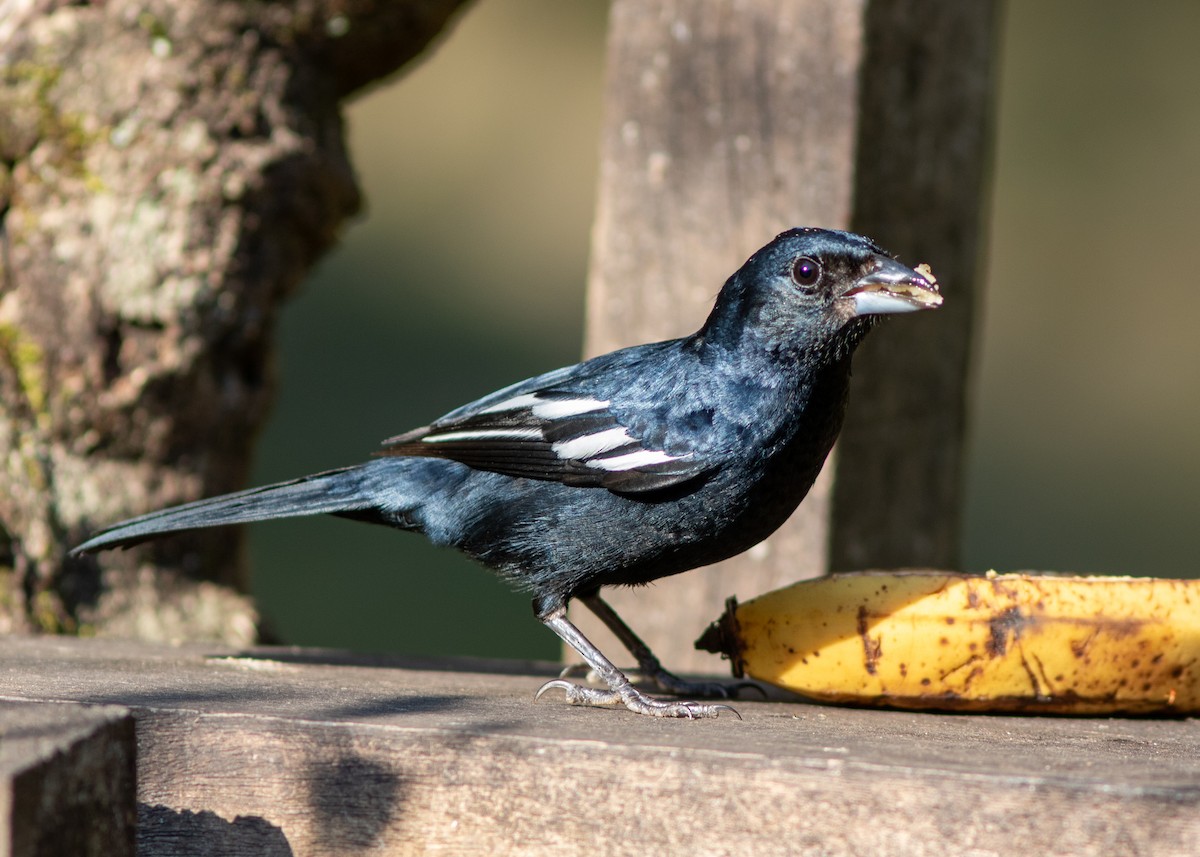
995	642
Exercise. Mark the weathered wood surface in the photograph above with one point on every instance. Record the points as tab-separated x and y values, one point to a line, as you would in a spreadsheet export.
67	780
727	122
280	752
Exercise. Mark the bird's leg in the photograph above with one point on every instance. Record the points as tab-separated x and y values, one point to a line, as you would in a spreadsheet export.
620	690
650	668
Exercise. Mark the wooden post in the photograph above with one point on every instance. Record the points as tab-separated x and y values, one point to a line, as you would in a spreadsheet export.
67	780
728	122
921	189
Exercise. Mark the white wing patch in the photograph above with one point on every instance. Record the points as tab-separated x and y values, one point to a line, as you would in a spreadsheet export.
575	440
553	409
591	445
632	460
516	403
546	409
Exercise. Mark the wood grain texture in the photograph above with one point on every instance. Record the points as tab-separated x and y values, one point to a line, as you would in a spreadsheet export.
67	780
728	122
283	751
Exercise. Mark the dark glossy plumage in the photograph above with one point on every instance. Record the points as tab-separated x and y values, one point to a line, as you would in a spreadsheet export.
631	466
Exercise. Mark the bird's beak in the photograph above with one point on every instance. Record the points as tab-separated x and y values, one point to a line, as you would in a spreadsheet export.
891	287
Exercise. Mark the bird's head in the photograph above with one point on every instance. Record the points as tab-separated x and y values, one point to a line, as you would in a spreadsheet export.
815	287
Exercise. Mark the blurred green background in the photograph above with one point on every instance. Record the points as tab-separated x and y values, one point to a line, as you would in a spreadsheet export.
467	273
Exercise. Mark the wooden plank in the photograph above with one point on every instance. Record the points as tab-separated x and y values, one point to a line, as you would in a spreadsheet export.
284	751
728	122
67	780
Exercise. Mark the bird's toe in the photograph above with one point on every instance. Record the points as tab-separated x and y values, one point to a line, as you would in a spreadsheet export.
635	701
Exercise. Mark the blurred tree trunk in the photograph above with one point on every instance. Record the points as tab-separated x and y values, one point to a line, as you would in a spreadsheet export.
169	172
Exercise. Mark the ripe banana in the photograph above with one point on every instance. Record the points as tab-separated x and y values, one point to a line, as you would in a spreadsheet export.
1000	642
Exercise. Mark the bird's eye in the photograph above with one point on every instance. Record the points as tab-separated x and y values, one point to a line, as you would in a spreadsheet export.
806	271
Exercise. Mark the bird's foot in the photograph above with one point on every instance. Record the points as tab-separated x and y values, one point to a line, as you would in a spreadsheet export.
667	682
635	701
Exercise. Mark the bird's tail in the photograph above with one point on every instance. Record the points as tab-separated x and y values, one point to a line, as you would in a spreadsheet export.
347	490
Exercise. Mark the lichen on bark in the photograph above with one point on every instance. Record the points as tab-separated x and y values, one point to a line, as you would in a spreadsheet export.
168	174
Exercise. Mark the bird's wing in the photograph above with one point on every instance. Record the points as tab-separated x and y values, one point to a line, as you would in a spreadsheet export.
549	429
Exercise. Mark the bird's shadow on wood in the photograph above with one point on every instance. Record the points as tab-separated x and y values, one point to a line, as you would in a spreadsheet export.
353	799
183	833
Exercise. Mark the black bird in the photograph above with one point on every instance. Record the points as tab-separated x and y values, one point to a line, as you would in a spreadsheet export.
632	466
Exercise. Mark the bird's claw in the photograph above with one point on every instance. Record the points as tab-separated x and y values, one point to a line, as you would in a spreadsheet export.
748	685
635	701
579	695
